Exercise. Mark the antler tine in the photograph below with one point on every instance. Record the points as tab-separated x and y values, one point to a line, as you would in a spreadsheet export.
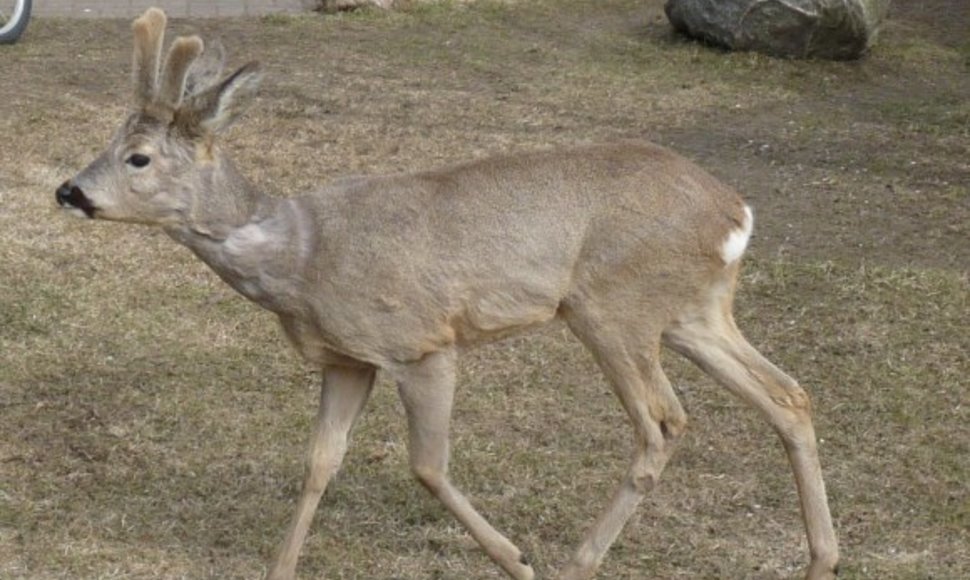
149	31
180	57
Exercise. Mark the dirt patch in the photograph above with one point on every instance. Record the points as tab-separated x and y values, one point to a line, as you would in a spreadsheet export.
152	425
943	21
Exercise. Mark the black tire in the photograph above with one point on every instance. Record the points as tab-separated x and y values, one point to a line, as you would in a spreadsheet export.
10	31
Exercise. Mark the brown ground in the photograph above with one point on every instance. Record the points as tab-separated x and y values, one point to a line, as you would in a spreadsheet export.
152	424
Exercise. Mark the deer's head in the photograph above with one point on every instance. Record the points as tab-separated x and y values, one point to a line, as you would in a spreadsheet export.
162	160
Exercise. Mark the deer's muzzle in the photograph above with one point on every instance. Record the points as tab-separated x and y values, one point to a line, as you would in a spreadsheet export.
71	196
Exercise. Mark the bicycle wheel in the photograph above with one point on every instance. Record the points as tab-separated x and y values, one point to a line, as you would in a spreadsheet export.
14	15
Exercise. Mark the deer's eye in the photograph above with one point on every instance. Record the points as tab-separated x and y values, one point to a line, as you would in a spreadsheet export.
138	160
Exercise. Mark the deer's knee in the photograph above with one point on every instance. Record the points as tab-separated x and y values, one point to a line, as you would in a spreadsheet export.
646	467
791	417
322	462
430	477
643	482
793	398
672	426
645	472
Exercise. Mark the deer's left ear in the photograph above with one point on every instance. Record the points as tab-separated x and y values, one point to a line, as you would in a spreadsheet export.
214	109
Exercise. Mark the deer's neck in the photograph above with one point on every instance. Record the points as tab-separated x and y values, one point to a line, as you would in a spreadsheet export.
225	201
251	240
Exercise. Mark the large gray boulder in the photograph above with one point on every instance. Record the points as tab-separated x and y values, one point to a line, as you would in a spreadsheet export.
833	29
347	5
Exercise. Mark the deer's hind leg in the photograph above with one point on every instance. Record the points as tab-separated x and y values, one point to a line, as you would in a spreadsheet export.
713	342
628	353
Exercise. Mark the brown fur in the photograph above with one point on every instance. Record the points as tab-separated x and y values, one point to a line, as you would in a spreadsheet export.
625	242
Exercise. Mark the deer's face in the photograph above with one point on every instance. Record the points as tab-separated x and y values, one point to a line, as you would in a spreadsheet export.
160	161
148	174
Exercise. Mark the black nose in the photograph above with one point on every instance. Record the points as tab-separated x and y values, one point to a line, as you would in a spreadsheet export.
64	194
71	195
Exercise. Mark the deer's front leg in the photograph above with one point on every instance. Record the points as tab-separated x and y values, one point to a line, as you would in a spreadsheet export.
342	397
427	390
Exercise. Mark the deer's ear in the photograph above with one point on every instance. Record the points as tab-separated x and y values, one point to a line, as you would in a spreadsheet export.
215	108
206	70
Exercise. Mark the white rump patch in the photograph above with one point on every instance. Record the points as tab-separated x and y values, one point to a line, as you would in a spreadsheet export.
736	242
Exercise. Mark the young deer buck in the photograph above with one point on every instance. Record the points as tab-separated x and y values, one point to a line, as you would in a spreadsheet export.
631	245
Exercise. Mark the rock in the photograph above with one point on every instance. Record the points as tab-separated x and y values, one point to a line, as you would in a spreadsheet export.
345	5
833	29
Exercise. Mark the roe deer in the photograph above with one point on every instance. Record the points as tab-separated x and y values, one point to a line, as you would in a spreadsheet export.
631	245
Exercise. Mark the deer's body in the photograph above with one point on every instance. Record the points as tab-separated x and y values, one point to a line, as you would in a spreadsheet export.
632	245
385	270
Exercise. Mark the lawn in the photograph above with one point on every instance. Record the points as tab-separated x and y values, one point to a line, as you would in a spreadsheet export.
153	423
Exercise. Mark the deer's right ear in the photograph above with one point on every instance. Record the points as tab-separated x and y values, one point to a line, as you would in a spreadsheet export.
214	109
206	70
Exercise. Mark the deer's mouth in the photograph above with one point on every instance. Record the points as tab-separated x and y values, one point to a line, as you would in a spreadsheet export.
71	197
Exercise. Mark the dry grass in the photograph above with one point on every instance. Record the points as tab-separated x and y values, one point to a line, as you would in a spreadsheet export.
152	424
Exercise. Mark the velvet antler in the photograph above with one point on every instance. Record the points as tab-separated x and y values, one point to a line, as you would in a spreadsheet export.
149	31
161	89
